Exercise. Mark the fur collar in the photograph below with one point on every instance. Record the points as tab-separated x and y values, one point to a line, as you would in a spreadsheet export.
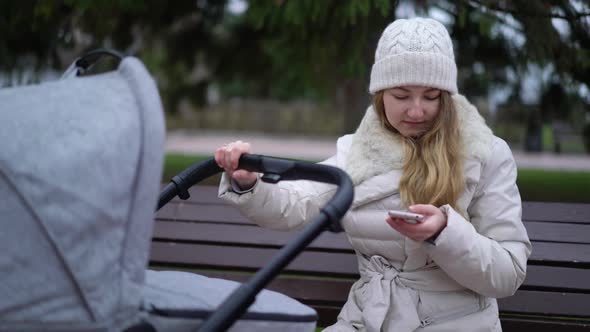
375	150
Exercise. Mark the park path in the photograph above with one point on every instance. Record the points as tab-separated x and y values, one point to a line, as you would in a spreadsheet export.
319	148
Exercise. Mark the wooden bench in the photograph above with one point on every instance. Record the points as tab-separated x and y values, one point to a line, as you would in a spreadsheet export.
209	237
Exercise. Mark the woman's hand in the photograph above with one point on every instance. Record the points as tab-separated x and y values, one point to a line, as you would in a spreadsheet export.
228	158
434	222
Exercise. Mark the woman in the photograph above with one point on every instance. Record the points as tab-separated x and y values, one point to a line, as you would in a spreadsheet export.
424	148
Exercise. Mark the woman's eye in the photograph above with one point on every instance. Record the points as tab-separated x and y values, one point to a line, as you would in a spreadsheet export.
400	97
432	97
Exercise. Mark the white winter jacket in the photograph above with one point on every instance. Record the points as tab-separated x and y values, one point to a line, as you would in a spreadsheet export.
450	285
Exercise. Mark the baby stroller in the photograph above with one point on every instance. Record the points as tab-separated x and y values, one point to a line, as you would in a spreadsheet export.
80	168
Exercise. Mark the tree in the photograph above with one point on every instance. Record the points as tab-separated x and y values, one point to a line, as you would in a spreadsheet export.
329	45
565	52
321	50
172	39
326	47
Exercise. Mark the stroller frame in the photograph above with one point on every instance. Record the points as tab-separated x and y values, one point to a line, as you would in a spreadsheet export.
274	170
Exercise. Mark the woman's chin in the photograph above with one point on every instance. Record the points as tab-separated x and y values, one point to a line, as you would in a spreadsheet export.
413	134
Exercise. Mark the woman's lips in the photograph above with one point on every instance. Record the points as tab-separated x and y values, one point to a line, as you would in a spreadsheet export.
409	123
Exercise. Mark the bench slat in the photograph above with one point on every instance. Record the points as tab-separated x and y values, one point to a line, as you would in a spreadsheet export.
249	233
315	290
556	212
546	303
558	232
244	235
228	257
328	314
202	194
198	194
219	211
572	254
532	211
560	253
561	278
203	255
510	323
201	212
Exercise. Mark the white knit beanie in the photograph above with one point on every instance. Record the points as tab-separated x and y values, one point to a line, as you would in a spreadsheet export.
416	51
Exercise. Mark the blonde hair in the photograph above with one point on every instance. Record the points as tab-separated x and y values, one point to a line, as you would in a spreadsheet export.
433	167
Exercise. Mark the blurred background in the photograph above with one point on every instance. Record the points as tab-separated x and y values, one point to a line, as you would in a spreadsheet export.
283	70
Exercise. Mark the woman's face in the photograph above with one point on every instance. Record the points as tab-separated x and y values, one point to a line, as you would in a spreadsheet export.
411	109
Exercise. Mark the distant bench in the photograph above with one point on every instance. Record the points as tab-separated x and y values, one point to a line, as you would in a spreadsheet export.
209	237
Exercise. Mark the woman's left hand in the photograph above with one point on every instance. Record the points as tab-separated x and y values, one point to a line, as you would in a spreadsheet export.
433	223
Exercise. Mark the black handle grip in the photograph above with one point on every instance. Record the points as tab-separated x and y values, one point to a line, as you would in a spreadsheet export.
274	170
89	59
181	182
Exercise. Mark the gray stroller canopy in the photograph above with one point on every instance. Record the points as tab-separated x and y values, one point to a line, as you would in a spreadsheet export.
80	168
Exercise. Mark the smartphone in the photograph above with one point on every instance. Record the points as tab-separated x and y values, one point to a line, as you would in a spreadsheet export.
409	217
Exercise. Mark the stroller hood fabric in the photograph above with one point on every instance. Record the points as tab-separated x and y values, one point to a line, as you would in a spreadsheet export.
80	168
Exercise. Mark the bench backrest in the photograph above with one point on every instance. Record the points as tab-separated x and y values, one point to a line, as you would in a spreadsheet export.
206	235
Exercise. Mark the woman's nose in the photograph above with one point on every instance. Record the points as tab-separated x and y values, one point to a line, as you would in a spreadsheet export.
416	110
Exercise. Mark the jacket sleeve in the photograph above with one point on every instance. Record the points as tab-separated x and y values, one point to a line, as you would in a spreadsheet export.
285	206
489	254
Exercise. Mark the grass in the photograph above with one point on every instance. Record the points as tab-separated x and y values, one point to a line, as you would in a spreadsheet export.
175	163
534	185
554	186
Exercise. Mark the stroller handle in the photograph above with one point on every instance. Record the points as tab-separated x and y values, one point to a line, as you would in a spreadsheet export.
274	170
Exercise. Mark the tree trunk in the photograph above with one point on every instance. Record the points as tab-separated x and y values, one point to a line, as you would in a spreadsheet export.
533	133
352	99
